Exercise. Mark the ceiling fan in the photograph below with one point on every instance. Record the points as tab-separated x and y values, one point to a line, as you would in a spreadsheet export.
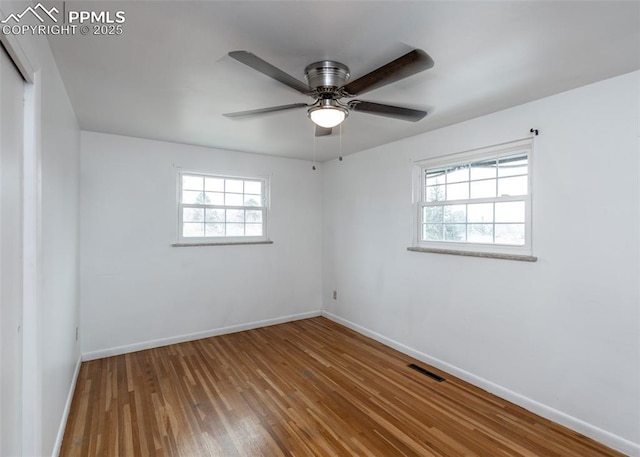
327	84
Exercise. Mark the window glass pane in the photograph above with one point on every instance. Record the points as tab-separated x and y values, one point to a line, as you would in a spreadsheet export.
481	200
235	229
483	170
483	189
214	215
512	234
233	199
512	186
234	185
432	232
432	214
252	200
192	214
214	206
253	229
458	174
480	233
458	191
214	229
455	232
202	199
480	212
214	198
253	187
192	229
192	182
434	177
510	212
253	216
190	197
235	215
455	213
434	193
214	184
510	166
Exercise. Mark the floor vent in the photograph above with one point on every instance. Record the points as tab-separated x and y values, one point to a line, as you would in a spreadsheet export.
413	366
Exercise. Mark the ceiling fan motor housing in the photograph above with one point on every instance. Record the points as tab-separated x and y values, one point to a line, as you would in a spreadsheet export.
326	76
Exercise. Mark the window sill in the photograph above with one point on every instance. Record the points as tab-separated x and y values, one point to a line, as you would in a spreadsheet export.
229	243
486	255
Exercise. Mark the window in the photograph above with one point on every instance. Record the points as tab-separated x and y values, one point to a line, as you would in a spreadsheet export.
476	201
222	209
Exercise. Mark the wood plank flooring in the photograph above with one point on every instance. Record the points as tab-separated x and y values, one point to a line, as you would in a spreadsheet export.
305	388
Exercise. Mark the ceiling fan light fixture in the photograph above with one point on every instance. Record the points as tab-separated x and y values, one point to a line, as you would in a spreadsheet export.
328	114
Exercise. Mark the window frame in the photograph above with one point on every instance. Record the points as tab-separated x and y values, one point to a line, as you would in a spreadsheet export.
466	158
222	240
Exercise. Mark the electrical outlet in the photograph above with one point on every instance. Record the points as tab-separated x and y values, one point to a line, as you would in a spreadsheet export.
335	294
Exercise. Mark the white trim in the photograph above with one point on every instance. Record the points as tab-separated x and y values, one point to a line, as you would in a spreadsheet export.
17	54
32	275
102	353
580	426
67	409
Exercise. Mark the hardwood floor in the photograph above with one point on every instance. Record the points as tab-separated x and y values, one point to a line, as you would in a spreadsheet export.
305	388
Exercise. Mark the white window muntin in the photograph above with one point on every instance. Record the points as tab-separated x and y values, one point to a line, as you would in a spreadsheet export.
503	151
214	205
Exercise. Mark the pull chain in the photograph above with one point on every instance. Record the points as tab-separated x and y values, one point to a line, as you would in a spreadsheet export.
340	152
314	147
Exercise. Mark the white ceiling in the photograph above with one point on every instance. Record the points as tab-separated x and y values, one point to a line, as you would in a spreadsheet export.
168	76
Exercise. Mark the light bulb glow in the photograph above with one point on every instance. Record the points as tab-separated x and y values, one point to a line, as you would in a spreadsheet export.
327	116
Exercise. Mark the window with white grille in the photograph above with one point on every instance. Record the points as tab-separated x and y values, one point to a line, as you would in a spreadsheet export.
222	209
478	200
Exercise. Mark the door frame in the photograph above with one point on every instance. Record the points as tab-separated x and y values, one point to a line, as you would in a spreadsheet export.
31	426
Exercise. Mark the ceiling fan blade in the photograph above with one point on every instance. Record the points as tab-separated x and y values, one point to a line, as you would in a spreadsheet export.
271	109
409	64
396	112
266	68
322	131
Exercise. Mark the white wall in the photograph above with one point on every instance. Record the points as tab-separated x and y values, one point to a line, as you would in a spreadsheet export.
51	353
560	335
137	289
60	261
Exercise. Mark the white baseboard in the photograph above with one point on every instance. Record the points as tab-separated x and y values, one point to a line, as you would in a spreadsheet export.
194	336
67	409
609	439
